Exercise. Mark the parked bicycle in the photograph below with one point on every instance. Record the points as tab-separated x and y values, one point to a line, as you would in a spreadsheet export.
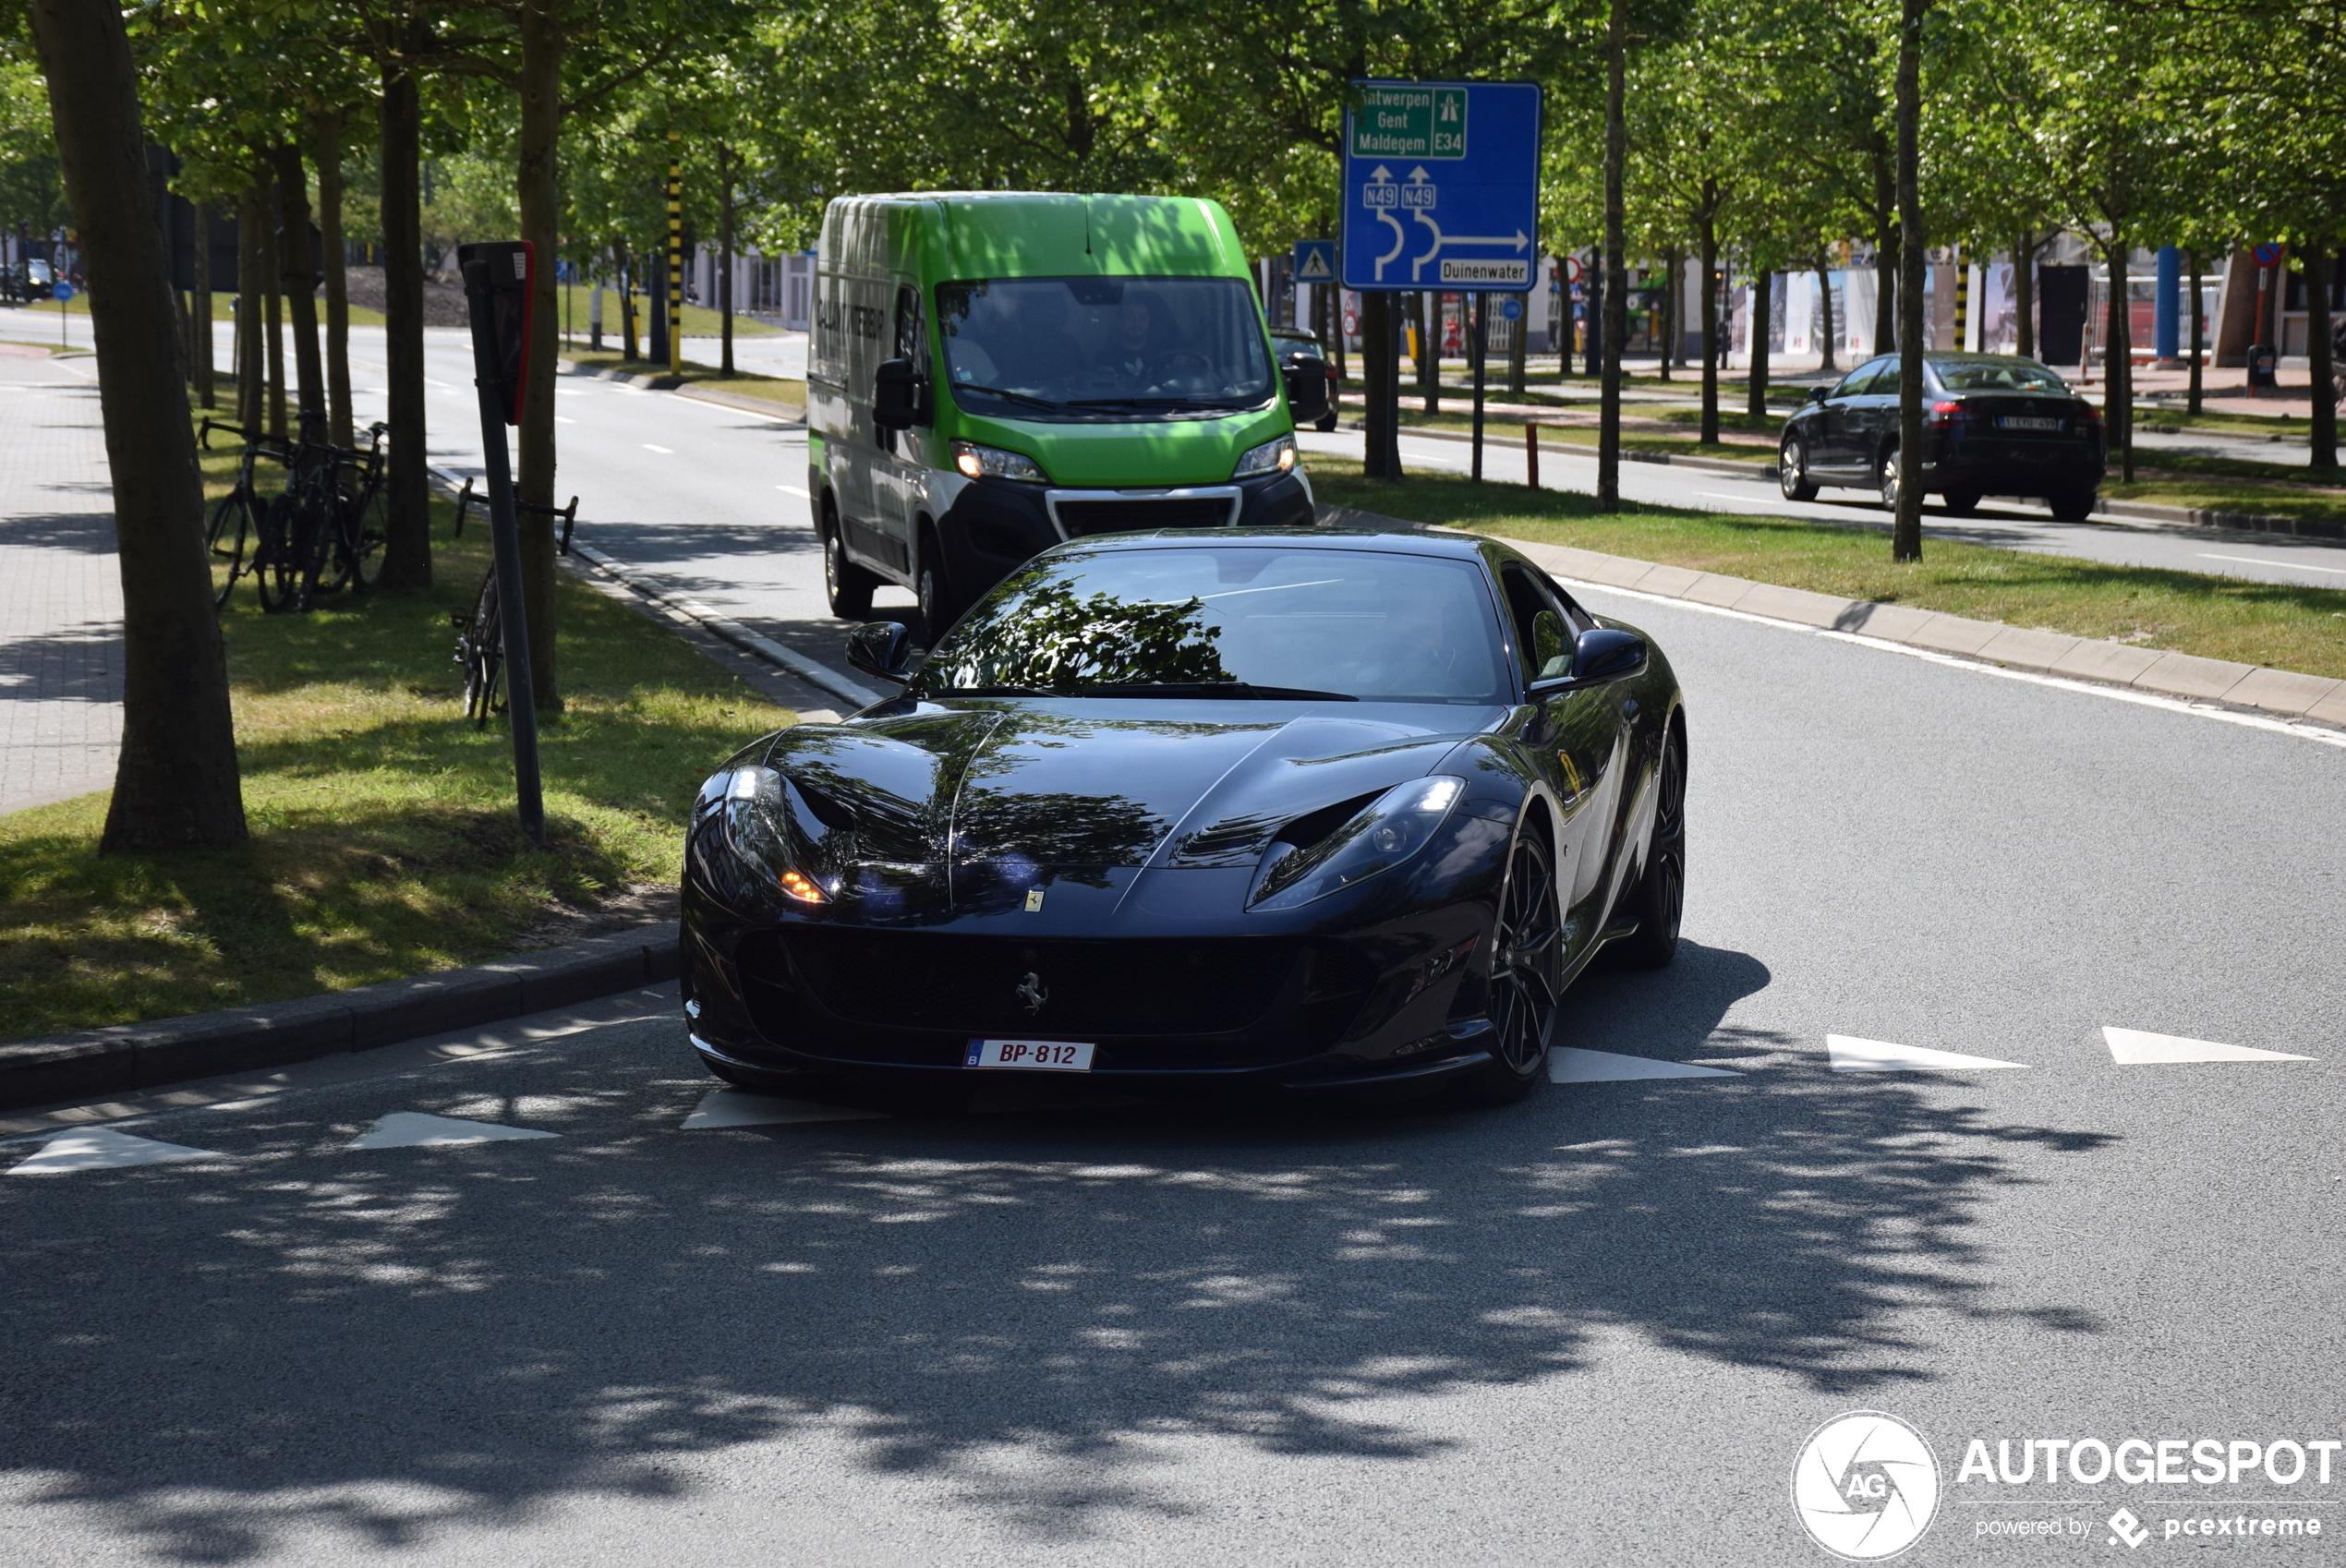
346	544
235	532
481	635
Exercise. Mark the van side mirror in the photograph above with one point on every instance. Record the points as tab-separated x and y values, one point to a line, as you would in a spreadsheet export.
898	400
1307	388
1598	656
881	648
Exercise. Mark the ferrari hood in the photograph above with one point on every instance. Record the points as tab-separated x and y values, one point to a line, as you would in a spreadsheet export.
955	798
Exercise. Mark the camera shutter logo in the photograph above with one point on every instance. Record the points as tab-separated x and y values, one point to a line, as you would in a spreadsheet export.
1864	1486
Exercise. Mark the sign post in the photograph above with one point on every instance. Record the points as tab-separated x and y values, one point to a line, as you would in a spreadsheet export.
60	293
500	289
1441	192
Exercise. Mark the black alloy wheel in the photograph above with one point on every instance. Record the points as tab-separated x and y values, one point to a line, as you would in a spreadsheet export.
1963	503
1792	470
1527	961
1886	480
846	585
1659	900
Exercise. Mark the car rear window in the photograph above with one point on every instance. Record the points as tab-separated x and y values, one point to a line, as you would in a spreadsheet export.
1998	375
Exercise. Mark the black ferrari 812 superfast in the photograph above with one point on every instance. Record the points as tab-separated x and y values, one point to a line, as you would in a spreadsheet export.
1295	809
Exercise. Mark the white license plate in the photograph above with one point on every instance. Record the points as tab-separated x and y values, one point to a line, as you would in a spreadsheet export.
2028	422
1034	1055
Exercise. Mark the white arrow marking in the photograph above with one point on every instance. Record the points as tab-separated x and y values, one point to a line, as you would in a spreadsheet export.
1516	241
1417	267
101	1148
2134	1048
1851	1055
1400	238
735	1107
1570	1063
1381	175
1417	175
413	1129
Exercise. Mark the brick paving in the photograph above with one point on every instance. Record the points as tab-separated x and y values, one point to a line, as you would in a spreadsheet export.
60	595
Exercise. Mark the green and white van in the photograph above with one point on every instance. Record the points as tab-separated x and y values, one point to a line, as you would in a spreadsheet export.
992	373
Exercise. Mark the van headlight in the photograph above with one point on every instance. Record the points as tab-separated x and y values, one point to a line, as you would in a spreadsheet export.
1271	457
978	462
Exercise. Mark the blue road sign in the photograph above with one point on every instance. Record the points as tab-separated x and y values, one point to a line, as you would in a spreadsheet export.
1442	186
61	291
2267	255
1315	260
1510	309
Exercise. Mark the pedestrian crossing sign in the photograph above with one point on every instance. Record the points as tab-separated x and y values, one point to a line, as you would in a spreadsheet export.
1315	260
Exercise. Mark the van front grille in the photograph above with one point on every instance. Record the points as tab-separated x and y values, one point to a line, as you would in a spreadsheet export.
1081	518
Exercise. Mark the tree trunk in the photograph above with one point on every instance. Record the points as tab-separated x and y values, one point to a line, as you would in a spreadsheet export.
1429	356
2198	332
1708	235
252	375
2024	283
1885	249
407	524
542	44
175	782
1672	285
1616	292
326	151
725	252
1824	299
272	301
299	280
2318	262
1379	367
1906	533
626	306
1755	403
2118	365
202	326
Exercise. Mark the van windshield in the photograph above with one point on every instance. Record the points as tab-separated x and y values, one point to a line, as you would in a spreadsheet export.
1118	348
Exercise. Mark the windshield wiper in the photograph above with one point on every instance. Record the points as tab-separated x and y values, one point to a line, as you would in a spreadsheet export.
1013	396
1241	689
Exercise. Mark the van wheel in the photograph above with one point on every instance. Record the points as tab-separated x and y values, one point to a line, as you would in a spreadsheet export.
847	585
939	608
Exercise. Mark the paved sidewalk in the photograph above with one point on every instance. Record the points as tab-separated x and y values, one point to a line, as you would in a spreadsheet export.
60	593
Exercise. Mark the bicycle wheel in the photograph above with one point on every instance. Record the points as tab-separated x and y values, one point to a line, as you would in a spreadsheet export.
231	534
481	652
370	527
318	540
275	568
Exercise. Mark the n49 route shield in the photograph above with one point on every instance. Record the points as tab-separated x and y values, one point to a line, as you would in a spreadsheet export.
1442	186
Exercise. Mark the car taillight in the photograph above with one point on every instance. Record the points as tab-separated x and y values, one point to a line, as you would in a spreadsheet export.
1945	414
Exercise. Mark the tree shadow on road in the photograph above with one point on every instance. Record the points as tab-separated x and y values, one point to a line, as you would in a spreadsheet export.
212	1358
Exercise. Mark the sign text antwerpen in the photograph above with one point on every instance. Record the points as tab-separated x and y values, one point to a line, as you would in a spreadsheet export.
1411	122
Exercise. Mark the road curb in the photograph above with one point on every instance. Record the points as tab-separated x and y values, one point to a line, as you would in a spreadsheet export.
1661	459
142	1055
2279	693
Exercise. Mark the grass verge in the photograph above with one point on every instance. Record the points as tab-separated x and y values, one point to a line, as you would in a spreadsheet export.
771	388
382	841
2286	627
700	321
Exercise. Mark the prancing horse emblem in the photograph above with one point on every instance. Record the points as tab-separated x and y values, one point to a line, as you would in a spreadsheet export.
1031	991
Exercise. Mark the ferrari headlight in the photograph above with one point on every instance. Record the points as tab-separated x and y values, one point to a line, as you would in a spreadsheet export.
1386	832
1271	457
757	825
978	462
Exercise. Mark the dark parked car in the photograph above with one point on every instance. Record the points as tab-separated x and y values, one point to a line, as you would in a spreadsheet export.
1290	808
1296	348
1993	424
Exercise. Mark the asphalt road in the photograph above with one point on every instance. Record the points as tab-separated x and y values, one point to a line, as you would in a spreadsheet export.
1596	1327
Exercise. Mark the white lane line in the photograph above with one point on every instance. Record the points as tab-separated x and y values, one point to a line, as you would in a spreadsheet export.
1851	1055
735	1107
2260	560
2135	1048
1573	1063
793	489
1717	495
103	1148
414	1129
663	451
2058	682
565	419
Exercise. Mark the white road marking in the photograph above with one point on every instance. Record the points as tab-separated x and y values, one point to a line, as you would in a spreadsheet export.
735	1107
2260	560
1574	1064
411	1130
565	419
663	451
2135	1048
1716	495
1851	1055
103	1148
792	490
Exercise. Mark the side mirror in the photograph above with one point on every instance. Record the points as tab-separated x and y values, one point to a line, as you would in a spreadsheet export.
1598	656
1818	394
1307	388
881	648
896	400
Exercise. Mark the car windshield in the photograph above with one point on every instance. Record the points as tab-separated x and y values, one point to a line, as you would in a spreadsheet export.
1083	347
1997	375
1237	620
